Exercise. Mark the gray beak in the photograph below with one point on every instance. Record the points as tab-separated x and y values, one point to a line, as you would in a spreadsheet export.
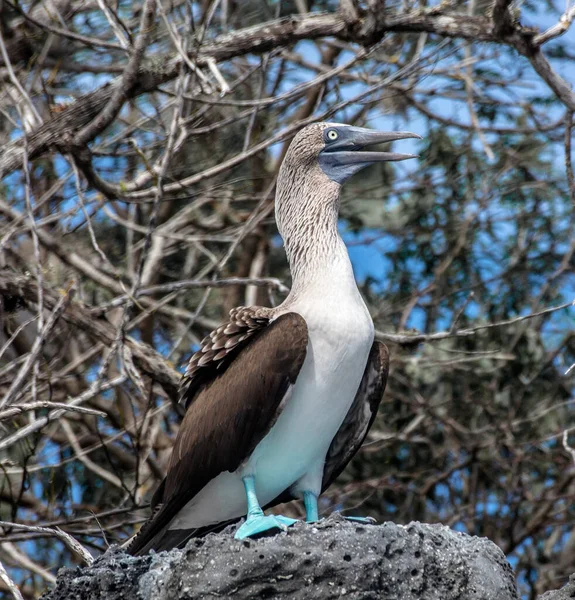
343	157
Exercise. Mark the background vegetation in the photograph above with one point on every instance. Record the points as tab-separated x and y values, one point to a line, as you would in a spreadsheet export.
139	146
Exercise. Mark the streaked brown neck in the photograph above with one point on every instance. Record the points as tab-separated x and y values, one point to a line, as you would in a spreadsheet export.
307	205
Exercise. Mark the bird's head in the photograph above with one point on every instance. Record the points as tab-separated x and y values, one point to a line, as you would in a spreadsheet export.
339	149
320	158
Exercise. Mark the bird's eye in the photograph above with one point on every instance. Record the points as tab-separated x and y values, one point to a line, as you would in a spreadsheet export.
332	134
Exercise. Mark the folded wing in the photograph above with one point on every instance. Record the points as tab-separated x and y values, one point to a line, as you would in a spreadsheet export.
230	411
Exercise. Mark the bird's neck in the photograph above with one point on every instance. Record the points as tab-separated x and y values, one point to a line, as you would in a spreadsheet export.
307	206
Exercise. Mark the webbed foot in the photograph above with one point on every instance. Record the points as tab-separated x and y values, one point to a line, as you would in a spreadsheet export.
260	523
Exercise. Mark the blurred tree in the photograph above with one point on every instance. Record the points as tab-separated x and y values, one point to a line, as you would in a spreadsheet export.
139	145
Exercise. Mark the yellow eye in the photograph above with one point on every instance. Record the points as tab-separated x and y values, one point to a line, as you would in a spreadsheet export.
332	134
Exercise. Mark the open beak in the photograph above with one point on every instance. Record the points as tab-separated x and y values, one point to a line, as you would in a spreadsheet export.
344	157
357	138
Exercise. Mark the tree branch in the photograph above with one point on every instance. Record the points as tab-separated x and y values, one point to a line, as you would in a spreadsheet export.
257	39
72	544
17	383
146	358
128	81
542	67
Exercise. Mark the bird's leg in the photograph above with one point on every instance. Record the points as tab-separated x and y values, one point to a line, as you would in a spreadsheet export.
256	522
312	515
310	503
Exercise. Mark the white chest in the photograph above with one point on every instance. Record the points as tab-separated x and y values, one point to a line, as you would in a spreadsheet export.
340	338
292	454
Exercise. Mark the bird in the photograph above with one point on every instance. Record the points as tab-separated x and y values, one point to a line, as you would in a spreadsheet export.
278	400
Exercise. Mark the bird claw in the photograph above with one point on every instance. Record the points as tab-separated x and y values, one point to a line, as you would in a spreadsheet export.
259	524
365	520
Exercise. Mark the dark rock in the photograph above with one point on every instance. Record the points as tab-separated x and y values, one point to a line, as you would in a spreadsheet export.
333	559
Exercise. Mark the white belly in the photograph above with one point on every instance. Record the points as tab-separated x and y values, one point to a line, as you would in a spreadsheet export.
293	452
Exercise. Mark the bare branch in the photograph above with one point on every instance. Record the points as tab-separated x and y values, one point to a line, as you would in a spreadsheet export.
59	308
147	359
30	406
25	562
556	30
410	339
128	81
9	583
541	65
568	150
168	288
96	388
65	33
256	39
72	544
569	449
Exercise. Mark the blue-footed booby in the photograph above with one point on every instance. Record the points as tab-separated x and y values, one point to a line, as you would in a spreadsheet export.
278	400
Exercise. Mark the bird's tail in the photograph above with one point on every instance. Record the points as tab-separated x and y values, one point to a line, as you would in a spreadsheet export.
168	539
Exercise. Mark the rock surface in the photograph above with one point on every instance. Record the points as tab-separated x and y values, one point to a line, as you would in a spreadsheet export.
565	593
332	559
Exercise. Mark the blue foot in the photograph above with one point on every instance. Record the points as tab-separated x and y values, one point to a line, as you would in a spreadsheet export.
259	524
366	520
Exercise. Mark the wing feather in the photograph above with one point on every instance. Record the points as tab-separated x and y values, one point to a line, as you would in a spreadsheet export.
220	347
229	415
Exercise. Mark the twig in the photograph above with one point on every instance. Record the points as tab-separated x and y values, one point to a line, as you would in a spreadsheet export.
115	24
65	33
128	81
262	38
147	359
25	562
543	68
21	408
182	52
254	113
288	131
70	542
191	284
568	161
9	583
18	85
17	331
37	257
213	67
96	388
87	462
556	30
468	78
63	303
85	267
407	339
567	447
80	196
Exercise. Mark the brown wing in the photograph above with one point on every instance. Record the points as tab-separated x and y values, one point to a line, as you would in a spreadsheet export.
228	417
220	347
361	415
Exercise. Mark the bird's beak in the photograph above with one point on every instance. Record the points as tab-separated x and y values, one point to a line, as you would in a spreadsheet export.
350	148
342	158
